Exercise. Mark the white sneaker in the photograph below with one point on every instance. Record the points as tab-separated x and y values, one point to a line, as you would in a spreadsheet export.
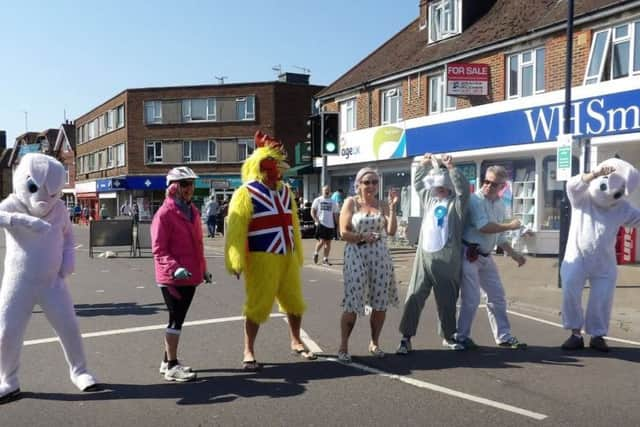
165	365
452	345
178	373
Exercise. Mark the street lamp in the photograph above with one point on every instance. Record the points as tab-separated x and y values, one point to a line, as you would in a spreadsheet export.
565	206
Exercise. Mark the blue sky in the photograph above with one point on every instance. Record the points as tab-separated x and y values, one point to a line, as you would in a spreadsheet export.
64	55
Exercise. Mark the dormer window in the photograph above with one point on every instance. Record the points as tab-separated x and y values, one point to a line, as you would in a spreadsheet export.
444	19
615	53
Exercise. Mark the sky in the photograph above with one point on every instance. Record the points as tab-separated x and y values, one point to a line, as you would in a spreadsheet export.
59	59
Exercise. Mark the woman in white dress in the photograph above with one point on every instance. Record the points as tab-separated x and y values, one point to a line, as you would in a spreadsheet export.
369	279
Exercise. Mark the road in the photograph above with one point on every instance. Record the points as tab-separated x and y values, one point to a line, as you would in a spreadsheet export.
122	317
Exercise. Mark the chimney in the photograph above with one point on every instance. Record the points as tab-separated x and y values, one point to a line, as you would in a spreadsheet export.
424	14
3	139
298	78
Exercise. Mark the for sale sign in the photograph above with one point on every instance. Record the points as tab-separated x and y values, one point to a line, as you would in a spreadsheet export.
467	79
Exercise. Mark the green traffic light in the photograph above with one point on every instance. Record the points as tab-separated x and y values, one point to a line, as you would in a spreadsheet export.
330	147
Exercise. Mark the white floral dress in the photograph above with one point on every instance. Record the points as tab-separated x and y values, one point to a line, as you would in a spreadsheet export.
369	279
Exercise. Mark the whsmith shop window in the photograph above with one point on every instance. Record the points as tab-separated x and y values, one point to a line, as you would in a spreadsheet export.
552	191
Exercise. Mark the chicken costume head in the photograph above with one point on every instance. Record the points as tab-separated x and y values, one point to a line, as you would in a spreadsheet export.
37	183
267	163
608	190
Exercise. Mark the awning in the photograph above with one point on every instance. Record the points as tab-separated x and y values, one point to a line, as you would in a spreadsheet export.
299	170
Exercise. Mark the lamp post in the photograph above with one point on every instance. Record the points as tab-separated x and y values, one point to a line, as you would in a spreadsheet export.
565	206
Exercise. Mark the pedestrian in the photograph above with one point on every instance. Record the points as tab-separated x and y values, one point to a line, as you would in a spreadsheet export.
124	209
263	241
444	195
324	211
486	226
135	212
599	208
180	266
77	213
211	214
369	279
104	214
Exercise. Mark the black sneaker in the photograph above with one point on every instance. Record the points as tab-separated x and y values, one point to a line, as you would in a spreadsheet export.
467	343
513	342
326	262
315	258
404	347
574	342
598	343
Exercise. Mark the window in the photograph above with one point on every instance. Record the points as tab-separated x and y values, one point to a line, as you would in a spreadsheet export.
245	148
119	154
91	166
391	105
348	116
444	19
101	127
66	174
615	53
153	112
198	109
438	101
120	122
154	152
525	76
199	151
111	117
245	108
110	157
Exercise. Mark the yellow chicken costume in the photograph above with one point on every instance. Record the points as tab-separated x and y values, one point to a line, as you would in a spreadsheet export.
263	238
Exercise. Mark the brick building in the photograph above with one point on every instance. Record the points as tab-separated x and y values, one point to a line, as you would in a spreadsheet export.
126	145
484	80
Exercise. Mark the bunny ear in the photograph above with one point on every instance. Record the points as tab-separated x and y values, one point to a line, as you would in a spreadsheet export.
428	182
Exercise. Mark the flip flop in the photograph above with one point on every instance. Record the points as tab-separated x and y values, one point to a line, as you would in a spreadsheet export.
251	365
304	353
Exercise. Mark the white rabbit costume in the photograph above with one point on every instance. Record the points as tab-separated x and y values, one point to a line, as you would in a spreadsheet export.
39	255
599	209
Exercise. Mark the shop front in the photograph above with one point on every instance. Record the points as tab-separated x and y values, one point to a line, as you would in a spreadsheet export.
520	135
87	199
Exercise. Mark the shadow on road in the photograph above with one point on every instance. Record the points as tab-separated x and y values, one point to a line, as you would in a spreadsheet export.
492	358
116	309
220	386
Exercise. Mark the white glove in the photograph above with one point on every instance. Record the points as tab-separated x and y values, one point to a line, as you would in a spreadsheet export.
181	273
31	222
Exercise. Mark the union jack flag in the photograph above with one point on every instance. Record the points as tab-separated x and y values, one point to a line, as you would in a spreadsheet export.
271	226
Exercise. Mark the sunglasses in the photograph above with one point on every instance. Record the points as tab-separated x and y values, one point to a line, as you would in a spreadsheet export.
493	184
184	184
372	182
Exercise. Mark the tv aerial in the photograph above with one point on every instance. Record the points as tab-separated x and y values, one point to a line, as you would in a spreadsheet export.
221	79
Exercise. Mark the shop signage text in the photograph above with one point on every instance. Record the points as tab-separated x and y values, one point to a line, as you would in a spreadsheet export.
467	79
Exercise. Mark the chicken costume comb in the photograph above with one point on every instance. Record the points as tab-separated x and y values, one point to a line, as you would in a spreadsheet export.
268	155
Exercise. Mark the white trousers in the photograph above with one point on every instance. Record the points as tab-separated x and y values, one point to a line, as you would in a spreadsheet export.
602	277
16	304
482	275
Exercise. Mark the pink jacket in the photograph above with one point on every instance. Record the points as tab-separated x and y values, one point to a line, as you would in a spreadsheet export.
177	242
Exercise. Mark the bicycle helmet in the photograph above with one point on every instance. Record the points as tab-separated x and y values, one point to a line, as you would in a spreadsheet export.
180	173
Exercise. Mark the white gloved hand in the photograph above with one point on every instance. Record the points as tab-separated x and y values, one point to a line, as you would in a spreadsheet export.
31	222
181	273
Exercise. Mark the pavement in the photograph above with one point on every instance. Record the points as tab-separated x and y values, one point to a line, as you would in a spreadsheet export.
531	289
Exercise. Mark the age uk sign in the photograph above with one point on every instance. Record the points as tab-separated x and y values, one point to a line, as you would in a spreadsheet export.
467	79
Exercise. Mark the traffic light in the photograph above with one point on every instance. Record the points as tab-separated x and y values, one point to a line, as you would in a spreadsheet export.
314	134
330	144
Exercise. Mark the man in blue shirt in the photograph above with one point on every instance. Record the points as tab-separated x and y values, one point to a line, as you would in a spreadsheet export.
486	227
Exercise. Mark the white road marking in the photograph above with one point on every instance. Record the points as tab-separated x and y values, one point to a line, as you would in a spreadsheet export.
311	345
144	328
139	287
546	322
77	247
444	390
100	291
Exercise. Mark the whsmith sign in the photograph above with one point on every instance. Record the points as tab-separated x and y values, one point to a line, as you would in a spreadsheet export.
607	114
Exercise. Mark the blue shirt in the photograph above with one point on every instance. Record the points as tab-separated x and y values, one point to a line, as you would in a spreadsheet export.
481	212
